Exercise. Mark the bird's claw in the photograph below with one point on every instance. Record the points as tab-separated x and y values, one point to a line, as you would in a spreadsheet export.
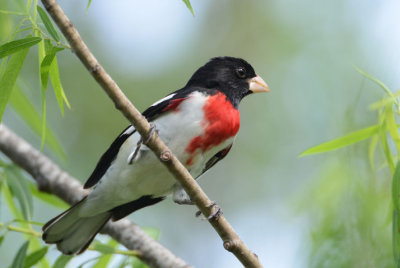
135	153
215	215
153	130
217	212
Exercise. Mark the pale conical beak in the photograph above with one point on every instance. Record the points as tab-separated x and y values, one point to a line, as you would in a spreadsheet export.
257	84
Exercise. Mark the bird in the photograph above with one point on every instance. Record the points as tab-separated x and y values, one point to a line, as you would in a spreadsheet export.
198	123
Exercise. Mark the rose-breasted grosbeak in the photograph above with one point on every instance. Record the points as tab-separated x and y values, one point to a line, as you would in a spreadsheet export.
198	123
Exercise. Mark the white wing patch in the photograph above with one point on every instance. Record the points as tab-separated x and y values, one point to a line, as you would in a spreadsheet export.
128	131
134	155
164	99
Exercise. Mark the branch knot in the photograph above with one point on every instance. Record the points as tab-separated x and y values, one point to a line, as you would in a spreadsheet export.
95	68
166	156
230	245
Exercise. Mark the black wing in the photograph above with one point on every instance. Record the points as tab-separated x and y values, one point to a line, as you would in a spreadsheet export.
108	157
151	113
217	157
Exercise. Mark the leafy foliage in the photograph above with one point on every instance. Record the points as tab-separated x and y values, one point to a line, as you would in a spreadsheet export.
346	140
17	190
9	78
17	45
20	190
17	187
62	261
14	53
19	259
385	133
26	110
35	257
47	23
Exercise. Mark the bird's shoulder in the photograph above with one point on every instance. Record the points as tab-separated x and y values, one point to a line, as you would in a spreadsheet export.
172	101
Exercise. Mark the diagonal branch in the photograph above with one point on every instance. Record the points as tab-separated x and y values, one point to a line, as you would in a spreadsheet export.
52	179
231	240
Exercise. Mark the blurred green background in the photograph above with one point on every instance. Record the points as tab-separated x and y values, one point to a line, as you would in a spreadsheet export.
330	210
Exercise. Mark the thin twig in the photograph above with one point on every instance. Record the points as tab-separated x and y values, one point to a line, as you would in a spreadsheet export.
20	230
231	240
52	179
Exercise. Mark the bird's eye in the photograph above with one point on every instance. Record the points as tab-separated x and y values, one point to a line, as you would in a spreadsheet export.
241	72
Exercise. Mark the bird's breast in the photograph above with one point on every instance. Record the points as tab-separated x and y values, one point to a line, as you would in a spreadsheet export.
220	123
198	127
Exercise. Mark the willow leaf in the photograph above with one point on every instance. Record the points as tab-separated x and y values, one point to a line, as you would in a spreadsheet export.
19	258
189	6
346	140
48	24
17	45
9	78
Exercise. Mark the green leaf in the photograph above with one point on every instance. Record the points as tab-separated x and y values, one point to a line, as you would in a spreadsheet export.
189	6
9	78
35	257
88	5
103	248
375	80
124	262
42	53
45	69
137	263
384	102
83	264
44	120
391	125
346	140
371	150
47	23
106	258
6	193
22	105
47	198
47	62
1	239
19	188
396	237
58	88
386	148
62	261
49	65
396	188
17	45
19	259
28	222
382	85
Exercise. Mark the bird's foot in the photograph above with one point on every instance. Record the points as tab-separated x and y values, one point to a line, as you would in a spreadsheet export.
215	215
135	153
132	157
181	197
217	212
153	130
184	201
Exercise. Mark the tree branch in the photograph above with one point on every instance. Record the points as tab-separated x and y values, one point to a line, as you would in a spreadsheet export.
231	240
52	179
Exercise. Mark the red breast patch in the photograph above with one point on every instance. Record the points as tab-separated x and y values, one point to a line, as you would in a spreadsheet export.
221	121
